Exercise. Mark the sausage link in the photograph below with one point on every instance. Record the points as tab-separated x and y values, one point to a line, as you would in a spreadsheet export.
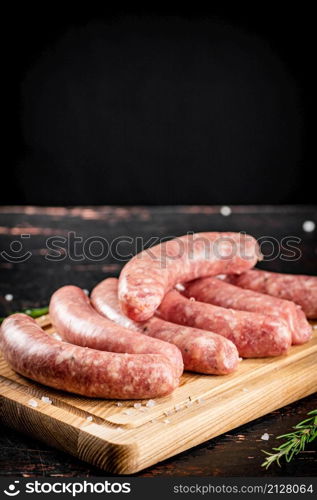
298	288
203	352
255	335
219	293
146	278
79	323
32	352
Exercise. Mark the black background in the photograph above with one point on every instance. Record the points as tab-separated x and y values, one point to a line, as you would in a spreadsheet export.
159	107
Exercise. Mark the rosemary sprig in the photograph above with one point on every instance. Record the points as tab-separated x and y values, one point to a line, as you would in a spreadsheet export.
304	432
34	313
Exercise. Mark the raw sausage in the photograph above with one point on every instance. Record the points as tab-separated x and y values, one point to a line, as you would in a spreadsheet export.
78	322
32	352
219	293
146	278
255	335
203	352
299	288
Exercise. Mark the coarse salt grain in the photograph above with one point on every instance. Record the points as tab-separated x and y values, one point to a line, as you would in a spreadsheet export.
166	421
150	403
8	297
180	287
47	400
86	291
33	403
309	226
89	419
265	436
127	412
315	327
225	211
137	406
192	299
118	403
56	336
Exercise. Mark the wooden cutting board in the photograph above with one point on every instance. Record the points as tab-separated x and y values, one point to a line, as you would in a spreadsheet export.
124	439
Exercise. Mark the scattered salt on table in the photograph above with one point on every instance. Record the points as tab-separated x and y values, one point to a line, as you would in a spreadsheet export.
137	406
118	403
166	421
265	436
86	291
8	297
47	400
309	226
33	403
89	418
150	403
225	211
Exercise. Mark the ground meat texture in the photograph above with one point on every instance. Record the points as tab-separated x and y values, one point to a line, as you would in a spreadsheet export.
147	277
32	352
203	352
298	288
218	292
255	335
79	323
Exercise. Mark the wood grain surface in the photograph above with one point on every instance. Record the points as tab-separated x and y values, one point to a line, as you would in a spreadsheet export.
32	281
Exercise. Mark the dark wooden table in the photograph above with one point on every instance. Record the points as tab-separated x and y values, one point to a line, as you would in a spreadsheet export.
30	270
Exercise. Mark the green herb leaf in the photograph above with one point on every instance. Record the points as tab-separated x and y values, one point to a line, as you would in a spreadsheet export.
304	432
34	313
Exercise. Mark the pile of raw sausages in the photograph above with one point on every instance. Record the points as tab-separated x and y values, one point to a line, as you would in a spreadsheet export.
192	303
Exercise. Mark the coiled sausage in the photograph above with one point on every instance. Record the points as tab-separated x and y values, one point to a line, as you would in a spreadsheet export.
79	323
32	352
146	278
203	352
298	288
219	293
255	335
